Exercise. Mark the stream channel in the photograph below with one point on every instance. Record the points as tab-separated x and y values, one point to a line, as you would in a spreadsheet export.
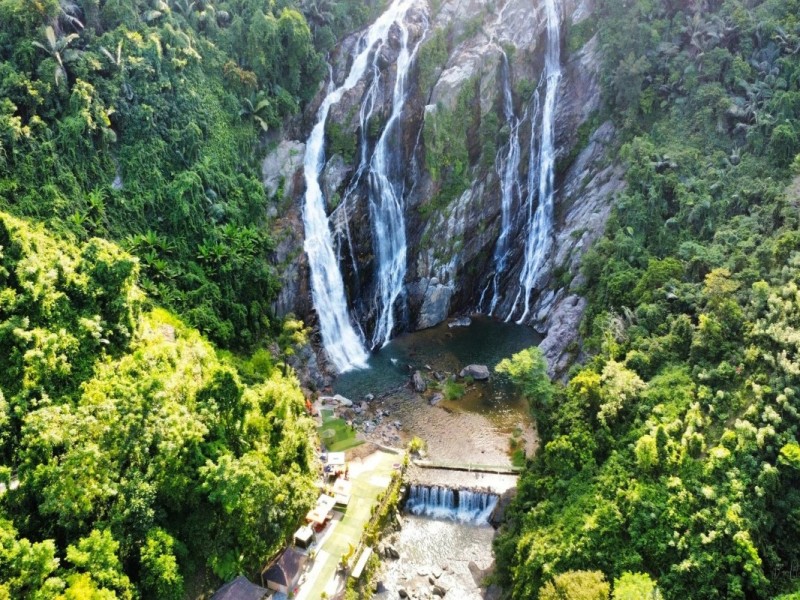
446	538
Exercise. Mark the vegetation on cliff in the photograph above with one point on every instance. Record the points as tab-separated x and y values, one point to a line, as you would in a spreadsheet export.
674	451
138	122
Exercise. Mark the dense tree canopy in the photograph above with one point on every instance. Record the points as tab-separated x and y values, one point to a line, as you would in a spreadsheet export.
139	121
142	457
673	452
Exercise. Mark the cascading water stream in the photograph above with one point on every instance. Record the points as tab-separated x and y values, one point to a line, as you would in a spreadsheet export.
342	344
508	168
541	178
465	506
386	191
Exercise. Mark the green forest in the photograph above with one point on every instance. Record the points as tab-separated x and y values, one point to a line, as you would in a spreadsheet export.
671	455
148	463
157	443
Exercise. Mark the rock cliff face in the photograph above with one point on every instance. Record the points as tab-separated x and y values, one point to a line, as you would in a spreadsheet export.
471	52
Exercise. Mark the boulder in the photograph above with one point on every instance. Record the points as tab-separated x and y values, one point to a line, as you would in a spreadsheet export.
401	591
462	322
342	401
280	165
439	591
477	372
435	305
419	383
333	176
436	399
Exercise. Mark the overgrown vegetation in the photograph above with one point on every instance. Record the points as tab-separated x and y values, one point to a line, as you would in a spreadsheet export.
138	121
672	455
143	459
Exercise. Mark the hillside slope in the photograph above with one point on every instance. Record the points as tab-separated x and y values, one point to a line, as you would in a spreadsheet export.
674	451
143	458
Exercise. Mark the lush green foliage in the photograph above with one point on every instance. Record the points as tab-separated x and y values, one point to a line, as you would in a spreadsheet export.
138	121
673	451
142	457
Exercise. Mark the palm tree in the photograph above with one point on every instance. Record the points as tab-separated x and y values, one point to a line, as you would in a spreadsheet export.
58	48
259	110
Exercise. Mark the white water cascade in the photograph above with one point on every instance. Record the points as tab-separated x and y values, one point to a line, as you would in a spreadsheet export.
386	201
465	506
343	345
507	169
541	173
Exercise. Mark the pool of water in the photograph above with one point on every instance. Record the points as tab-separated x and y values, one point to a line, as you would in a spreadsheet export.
446	350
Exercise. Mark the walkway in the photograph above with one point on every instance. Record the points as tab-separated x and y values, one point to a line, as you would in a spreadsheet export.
370	478
468	467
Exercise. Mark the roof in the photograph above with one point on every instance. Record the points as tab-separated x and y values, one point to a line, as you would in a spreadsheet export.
304	534
336	458
240	589
284	570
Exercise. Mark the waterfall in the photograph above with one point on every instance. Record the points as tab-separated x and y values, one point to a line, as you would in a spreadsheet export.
541	174
343	345
386	201
507	169
465	506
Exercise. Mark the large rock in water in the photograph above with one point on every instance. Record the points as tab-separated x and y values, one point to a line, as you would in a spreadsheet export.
477	372
435	303
419	383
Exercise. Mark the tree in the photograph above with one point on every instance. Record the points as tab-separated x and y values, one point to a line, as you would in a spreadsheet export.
161	578
58	48
95	556
576	585
635	586
528	370
620	386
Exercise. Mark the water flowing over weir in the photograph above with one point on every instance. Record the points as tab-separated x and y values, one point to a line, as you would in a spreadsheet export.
344	347
465	506
541	173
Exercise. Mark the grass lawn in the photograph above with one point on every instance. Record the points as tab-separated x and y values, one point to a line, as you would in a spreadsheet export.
336	434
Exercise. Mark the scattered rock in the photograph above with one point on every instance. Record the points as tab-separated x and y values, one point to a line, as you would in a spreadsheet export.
401	591
369	397
419	383
462	322
477	372
436	572
439	591
436	399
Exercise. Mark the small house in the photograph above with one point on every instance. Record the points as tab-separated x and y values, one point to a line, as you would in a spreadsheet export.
240	589
283	574
342	490
304	537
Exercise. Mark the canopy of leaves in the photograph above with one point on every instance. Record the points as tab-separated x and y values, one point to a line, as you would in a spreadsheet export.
142	457
673	452
139	121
